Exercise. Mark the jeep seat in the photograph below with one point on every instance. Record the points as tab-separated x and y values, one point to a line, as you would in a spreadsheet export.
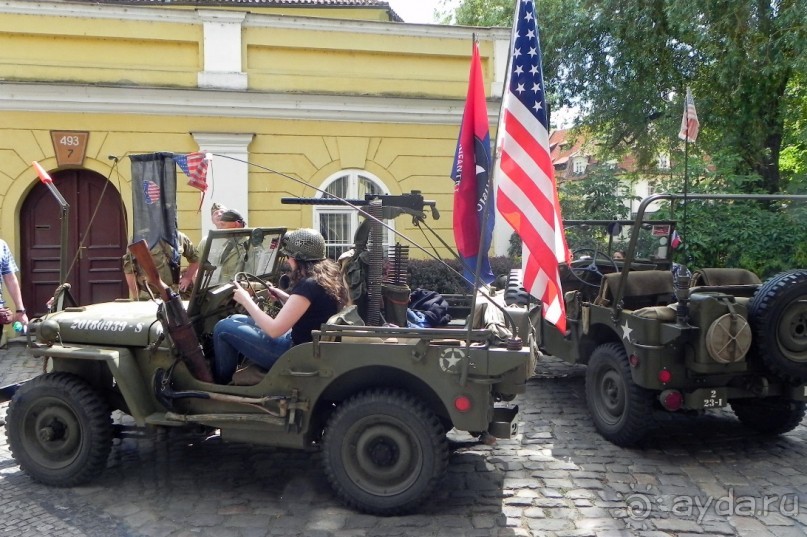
642	289
714	277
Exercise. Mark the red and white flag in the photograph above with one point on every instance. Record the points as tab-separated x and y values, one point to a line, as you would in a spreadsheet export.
527	196
689	123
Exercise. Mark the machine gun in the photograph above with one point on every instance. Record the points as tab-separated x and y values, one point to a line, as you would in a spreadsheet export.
175	319
364	270
412	203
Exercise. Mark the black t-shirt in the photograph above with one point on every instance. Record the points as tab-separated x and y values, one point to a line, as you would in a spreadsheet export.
322	307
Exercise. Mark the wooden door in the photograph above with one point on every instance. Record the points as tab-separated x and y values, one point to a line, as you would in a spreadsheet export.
96	223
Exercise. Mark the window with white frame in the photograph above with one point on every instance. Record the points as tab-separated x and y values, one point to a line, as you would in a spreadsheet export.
579	165
664	161
338	223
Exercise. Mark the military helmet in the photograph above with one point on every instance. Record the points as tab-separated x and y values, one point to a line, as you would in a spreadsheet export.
304	245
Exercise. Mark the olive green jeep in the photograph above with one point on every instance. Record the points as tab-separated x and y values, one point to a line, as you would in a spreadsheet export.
656	337
377	401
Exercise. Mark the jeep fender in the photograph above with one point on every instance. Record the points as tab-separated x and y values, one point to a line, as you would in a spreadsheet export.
121	364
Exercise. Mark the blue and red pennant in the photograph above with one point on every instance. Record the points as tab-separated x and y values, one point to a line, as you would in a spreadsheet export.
471	174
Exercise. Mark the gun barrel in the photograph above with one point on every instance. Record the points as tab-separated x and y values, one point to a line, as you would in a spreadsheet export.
413	201
321	201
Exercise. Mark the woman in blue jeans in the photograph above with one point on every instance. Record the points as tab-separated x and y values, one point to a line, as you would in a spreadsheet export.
318	291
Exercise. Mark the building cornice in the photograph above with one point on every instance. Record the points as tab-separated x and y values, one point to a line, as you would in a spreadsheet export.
192	16
94	99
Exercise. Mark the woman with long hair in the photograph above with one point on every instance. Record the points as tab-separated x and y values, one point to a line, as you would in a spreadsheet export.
317	292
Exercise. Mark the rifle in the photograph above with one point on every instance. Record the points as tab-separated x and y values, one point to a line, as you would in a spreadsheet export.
177	323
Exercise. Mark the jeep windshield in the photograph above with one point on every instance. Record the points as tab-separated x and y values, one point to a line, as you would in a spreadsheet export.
225	252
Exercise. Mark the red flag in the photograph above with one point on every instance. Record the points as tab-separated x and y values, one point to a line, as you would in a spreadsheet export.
689	123
527	196
471	179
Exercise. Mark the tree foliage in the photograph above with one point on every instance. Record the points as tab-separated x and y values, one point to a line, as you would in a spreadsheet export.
626	64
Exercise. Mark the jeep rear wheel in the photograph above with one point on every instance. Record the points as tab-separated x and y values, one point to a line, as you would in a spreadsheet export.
778	314
59	430
384	452
771	415
621	410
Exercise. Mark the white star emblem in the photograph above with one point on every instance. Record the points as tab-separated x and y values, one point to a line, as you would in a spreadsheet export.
626	330
536	88
534	70
538	106
532	52
519	70
530	34
520	89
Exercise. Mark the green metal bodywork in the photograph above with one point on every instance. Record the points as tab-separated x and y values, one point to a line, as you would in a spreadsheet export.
676	345
119	346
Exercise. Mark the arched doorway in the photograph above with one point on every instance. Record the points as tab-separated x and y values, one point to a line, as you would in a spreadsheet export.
95	275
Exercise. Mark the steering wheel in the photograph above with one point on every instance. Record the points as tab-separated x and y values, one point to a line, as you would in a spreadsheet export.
260	293
586	270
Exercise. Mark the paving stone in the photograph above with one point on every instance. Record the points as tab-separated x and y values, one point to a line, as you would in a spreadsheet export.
557	478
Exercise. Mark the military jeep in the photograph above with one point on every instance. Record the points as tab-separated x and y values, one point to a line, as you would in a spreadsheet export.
656	337
377	401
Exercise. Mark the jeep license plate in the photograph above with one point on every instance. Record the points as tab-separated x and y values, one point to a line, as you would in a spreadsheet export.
707	398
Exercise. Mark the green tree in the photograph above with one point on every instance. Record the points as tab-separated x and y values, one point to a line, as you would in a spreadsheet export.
626	63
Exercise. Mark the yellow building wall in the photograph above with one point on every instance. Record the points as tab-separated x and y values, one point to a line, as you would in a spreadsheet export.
405	157
295	60
277	60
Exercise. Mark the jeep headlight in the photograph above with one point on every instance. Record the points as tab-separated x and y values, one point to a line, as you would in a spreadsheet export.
47	332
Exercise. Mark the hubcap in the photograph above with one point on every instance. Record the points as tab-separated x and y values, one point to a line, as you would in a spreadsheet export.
381	455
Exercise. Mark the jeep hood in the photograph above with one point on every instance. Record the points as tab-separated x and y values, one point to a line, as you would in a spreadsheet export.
120	323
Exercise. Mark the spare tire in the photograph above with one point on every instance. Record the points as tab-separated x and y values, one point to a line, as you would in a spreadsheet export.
778	314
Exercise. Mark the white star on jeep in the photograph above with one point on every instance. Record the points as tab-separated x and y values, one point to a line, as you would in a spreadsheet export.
626	330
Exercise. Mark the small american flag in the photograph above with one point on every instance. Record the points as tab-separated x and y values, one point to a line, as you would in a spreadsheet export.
689	123
151	192
194	165
527	197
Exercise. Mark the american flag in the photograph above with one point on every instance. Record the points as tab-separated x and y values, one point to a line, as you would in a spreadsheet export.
151	192
527	197
689	123
194	165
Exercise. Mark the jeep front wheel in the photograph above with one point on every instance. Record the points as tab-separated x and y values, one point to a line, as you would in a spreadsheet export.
771	415
621	410
59	430
384	452
778	314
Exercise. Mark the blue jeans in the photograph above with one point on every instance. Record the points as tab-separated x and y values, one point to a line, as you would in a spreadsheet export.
238	335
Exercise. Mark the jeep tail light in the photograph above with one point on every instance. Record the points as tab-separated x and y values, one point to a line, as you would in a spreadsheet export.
672	400
633	360
664	376
462	403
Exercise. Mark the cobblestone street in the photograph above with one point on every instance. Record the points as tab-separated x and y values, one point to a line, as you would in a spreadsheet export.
694	476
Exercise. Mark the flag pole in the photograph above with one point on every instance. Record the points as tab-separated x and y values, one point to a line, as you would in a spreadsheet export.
499	130
483	226
688	133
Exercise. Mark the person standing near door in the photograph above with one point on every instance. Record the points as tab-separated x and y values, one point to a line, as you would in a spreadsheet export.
169	271
8	269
